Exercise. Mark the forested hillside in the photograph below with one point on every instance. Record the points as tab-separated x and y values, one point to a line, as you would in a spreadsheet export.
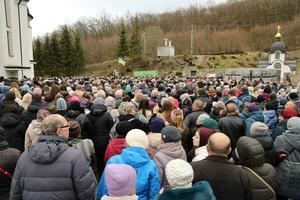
234	26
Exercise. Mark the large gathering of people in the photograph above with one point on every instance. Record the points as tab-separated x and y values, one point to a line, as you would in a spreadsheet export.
149	138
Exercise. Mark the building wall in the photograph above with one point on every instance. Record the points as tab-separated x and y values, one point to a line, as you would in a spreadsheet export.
272	57
166	51
26	40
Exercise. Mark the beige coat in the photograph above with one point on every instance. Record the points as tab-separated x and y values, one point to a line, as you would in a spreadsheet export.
33	132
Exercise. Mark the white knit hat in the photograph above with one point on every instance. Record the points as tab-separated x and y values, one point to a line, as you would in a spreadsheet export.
138	138
179	173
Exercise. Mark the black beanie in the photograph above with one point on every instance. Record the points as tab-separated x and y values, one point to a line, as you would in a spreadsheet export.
122	128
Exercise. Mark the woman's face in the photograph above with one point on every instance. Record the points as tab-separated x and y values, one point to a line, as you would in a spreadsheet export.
196	139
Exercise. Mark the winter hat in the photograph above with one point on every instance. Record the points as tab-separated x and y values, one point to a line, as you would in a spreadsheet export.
260	98
137	138
123	127
179	173
283	101
99	101
270	106
84	103
288	113
120	180
75	98
176	112
293	96
253	107
74	105
210	123
74	129
25	88
201	118
110	102
61	104
41	114
156	125
219	105
258	129
170	134
37	90
127	89
293	125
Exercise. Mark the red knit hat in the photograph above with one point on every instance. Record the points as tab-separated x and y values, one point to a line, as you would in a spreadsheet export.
289	112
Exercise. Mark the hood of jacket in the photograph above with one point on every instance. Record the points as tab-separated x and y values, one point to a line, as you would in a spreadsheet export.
250	152
34	107
98	109
36	127
10	119
270	114
257	116
135	156
126	117
72	113
48	149
172	150
293	125
266	142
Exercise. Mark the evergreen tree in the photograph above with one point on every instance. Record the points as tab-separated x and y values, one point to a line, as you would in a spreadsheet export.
46	60
37	55
78	58
55	54
66	51
135	49
123	48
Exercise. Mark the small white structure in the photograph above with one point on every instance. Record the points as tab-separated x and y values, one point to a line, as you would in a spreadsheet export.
15	39
166	51
277	58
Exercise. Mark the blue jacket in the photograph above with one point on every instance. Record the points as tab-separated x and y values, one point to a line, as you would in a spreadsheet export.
200	190
270	120
148	181
250	118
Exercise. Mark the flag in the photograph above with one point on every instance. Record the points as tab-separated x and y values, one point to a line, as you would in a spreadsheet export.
122	61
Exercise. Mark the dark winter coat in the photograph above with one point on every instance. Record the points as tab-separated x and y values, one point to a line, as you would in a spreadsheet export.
137	124
270	119
15	133
250	118
233	127
31	113
251	155
280	128
227	180
80	117
51	169
98	125
268	145
8	161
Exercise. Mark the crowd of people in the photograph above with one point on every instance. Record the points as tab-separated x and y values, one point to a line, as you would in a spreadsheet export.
148	138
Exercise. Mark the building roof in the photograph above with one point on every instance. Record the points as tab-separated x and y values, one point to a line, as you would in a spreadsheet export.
277	45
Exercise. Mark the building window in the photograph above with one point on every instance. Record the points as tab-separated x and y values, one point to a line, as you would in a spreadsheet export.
7	13
10	44
277	65
277	55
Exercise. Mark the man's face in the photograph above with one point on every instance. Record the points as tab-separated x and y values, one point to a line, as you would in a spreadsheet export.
64	130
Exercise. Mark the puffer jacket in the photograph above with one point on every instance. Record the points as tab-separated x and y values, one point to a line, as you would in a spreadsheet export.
99	123
270	119
289	171
115	147
8	161
250	118
147	184
34	131
280	128
268	145
251	155
167	152
51	169
11	122
200	190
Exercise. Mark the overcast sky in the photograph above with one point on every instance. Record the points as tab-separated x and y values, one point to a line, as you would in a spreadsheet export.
48	15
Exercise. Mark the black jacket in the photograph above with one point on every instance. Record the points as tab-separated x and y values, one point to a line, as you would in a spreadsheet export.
31	113
98	125
80	117
8	161
227	180
51	169
233	127
136	123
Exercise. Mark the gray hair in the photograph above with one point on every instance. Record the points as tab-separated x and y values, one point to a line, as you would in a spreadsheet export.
125	108
51	124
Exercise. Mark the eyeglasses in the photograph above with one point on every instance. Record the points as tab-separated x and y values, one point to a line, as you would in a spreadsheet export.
66	126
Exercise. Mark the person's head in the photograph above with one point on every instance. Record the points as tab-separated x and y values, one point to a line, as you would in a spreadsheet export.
170	134
196	140
74	130
167	106
42	114
291	104
231	109
61	104
210	123
125	108
201	118
110	102
55	124
293	125
258	129
138	96
122	128
197	105
211	92
118	94
154	93
36	97
232	93
10	96
120	180
144	104
288	113
26	100
137	138
156	125
218	144
179	173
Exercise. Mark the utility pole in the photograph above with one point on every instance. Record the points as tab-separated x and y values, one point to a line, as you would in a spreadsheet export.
192	39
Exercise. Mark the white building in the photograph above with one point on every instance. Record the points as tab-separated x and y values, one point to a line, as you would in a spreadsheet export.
277	58
15	39
166	51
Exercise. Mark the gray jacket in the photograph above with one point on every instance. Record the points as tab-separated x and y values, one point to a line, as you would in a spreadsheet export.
289	170
51	169
167	152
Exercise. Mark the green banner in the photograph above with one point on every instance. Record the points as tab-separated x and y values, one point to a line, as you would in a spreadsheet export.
145	73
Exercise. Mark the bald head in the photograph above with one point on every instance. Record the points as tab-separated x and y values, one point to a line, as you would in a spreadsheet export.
198	105
52	123
231	108
218	144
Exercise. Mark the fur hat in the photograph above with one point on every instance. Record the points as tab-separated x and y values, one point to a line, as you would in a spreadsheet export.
137	138
179	173
258	129
171	134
